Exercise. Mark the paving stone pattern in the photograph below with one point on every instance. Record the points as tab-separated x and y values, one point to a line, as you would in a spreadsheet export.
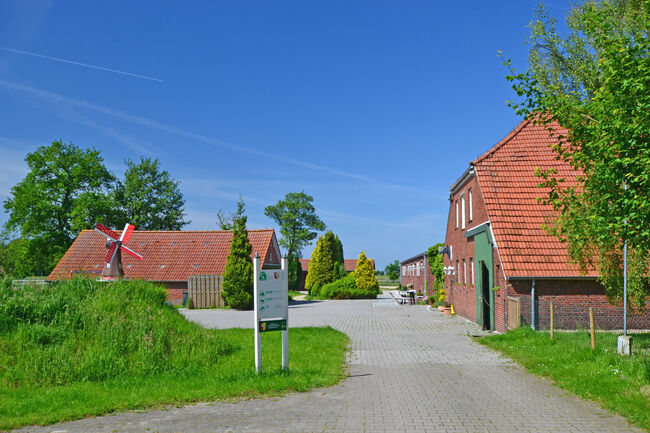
410	370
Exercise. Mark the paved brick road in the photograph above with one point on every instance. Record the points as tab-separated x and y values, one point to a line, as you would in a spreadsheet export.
390	388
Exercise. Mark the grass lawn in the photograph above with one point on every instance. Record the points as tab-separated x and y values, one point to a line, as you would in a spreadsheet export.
85	348
620	384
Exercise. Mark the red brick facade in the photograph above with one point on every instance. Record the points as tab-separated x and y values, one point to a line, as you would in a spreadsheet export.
416	271
502	235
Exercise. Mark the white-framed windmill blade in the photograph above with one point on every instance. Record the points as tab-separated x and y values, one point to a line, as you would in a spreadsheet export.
130	252
126	234
110	234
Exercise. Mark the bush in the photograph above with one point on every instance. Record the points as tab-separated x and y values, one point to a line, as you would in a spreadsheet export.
365	274
85	330
346	288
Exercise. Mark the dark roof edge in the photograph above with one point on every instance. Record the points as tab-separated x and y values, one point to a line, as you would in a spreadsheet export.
417	256
580	277
461	180
502	142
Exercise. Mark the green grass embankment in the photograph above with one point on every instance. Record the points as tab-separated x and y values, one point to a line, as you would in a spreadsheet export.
83	348
618	383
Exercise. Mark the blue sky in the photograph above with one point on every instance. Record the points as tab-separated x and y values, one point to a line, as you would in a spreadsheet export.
374	108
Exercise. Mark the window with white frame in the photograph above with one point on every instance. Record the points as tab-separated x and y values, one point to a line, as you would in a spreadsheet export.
471	265
403	269
417	268
464	272
462	211
471	211
457	215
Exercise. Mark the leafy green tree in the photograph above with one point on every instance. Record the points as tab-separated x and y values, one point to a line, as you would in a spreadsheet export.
298	221
594	83
238	275
392	270
364	275
65	191
149	198
437	266
321	264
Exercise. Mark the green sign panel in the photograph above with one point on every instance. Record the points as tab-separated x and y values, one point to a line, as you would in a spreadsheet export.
272	325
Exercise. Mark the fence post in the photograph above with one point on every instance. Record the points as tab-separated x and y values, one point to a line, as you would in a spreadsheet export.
552	322
591	327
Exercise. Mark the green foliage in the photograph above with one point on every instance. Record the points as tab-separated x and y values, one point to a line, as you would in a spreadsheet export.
64	192
84	330
294	272
393	270
365	274
346	288
149	198
615	382
437	265
83	348
594	82
238	275
322	263
298	221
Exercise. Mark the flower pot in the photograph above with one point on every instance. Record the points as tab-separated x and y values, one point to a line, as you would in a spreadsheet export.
447	311
441	308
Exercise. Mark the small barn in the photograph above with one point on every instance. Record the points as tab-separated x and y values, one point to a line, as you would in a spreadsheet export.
169	257
350	266
502	268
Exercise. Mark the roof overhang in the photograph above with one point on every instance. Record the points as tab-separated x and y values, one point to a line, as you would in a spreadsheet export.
415	257
468	174
572	277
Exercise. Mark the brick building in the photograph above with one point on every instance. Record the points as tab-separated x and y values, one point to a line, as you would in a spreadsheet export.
416	271
169	257
499	255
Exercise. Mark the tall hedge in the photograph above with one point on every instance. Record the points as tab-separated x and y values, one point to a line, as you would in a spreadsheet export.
321	264
365	274
294	272
238	276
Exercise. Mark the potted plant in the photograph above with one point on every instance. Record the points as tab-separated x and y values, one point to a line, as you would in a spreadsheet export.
431	300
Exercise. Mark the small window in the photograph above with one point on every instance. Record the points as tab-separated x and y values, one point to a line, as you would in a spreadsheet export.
471	265
206	243
464	272
462	211
142	243
128	266
196	266
471	211
162	266
174	243
457	216
96	266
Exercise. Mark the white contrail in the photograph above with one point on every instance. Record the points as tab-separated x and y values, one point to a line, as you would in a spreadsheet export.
85	65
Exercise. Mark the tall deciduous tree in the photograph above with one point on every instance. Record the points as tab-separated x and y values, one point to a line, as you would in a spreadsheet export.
321	264
238	275
299	224
392	270
594	83
149	198
364	275
65	191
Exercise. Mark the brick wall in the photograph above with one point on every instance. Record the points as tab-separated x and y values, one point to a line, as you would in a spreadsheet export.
175	291
571	302
462	294
411	276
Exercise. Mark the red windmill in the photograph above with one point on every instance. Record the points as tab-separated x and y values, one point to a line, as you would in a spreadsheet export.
116	244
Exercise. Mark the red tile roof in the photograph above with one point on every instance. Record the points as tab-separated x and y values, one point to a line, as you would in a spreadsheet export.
350	264
506	175
167	255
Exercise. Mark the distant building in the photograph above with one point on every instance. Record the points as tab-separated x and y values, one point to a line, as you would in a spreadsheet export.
169	257
503	268
417	271
350	266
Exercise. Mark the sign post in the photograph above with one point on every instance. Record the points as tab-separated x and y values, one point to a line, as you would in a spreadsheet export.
271	304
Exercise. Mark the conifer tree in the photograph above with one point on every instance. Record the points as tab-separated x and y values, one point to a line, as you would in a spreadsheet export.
238	275
364	275
294	272
321	265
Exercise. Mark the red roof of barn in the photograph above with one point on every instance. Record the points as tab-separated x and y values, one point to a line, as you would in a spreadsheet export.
506	175
167	255
350	264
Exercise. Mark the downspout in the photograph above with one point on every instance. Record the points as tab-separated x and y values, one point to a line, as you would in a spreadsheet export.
532	305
